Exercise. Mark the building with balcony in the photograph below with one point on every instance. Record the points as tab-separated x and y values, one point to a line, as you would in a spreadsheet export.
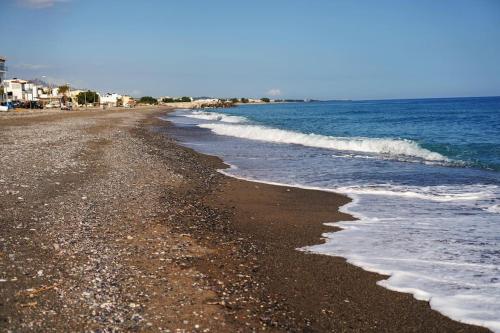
14	89
3	69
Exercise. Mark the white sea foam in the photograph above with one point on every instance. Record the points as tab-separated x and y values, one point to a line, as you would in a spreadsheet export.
433	193
214	116
494	209
388	147
425	249
448	274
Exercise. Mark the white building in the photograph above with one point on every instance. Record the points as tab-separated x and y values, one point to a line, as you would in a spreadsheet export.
14	89
3	69
22	90
207	100
128	101
31	91
111	99
73	95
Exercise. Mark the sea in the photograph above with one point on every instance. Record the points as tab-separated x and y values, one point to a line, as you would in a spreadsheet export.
423	175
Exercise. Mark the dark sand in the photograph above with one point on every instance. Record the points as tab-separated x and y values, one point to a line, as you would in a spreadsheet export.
107	224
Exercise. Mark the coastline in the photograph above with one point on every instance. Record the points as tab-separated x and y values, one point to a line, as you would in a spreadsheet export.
136	232
321	293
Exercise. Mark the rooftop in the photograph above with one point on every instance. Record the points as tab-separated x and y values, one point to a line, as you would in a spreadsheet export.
15	80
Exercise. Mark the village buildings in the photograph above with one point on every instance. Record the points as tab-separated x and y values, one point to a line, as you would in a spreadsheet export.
17	90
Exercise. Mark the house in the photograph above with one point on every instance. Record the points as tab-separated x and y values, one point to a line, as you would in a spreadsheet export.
31	91
111	99
3	69
14	89
128	101
73	94
22	90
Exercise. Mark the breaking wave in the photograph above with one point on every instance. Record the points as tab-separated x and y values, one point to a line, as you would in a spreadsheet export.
214	116
387	147
432	193
494	209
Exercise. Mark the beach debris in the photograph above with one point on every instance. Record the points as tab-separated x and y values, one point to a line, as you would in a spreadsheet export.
28	305
31	293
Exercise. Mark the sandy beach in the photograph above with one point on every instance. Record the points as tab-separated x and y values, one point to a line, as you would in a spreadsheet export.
108	224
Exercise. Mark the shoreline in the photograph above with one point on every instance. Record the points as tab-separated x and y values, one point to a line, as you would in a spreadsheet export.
404	314
111	224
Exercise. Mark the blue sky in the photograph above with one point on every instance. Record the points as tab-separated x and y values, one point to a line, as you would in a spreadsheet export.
321	49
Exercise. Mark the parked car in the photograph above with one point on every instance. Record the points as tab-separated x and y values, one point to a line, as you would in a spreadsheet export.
6	106
34	105
27	104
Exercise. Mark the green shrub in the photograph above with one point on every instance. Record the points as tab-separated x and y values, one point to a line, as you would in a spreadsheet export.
87	96
148	100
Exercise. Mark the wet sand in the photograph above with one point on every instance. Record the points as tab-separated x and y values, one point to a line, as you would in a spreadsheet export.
303	292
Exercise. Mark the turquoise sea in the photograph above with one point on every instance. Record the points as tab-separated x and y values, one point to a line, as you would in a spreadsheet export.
424	176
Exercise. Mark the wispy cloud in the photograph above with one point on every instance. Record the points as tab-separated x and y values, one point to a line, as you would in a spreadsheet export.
55	80
37	4
30	66
274	92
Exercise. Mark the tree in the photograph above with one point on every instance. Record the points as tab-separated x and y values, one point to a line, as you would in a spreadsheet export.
186	99
148	100
265	100
235	100
244	100
87	97
167	100
63	89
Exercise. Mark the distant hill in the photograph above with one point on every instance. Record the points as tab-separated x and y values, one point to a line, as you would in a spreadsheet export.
39	82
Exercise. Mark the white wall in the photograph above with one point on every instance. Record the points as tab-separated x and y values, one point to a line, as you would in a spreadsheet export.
110	99
15	88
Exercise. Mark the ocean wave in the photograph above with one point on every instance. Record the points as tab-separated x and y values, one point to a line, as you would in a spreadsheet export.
494	209
214	116
432	193
387	147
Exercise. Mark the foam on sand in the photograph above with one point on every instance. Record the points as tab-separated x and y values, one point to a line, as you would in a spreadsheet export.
454	280
424	253
387	147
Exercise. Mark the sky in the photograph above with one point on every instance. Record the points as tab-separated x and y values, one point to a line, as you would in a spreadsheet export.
321	49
